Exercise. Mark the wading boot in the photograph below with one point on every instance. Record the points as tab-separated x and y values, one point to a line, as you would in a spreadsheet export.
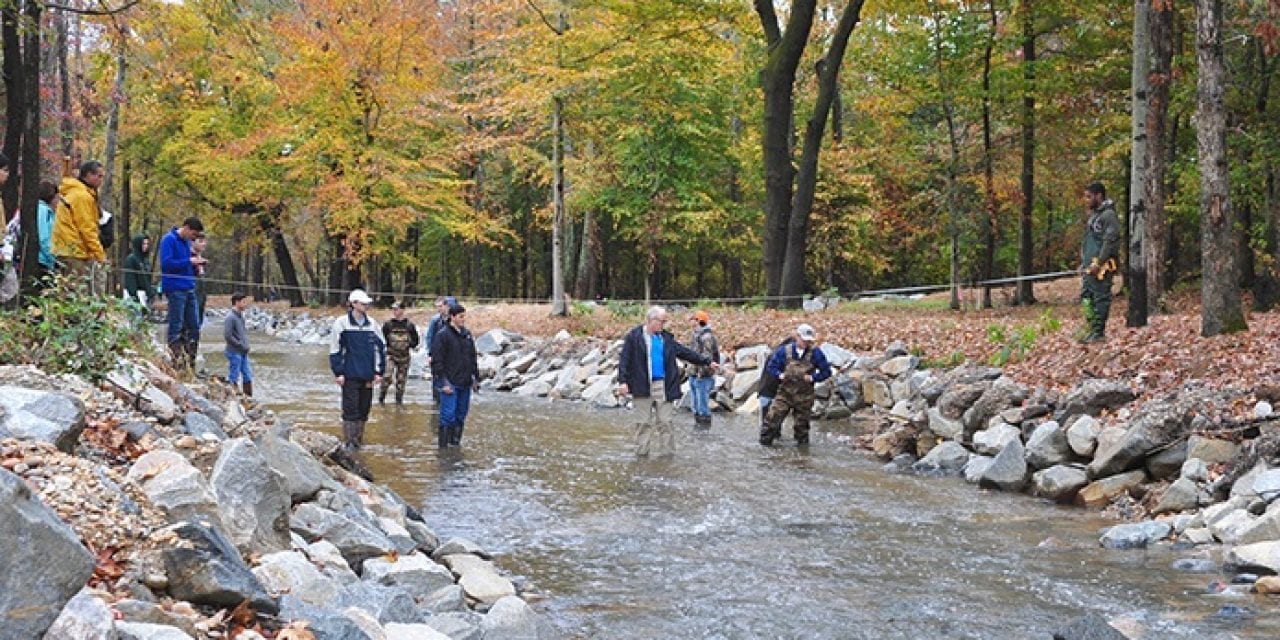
360	433
382	395
248	389
455	436
399	396
768	435
442	440
348	435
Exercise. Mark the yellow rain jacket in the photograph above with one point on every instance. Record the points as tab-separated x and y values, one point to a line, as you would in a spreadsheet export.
75	228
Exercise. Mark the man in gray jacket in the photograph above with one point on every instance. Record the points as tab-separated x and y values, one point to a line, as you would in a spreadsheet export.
237	351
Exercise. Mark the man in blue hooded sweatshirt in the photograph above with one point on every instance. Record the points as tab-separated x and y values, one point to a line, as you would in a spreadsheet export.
178	281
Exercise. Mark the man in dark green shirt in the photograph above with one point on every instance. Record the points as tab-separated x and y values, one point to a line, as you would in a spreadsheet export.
1098	259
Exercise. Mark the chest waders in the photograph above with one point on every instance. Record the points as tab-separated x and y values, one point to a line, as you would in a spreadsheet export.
398	357
795	397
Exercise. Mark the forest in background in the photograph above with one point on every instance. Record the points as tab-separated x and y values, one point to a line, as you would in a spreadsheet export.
661	149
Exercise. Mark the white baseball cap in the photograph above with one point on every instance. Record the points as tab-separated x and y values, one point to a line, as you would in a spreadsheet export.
358	295
806	332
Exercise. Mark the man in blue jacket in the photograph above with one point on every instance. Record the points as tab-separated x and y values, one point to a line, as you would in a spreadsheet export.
358	358
178	267
648	371
797	366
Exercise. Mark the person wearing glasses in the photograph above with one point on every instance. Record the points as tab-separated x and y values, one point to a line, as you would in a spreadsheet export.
647	370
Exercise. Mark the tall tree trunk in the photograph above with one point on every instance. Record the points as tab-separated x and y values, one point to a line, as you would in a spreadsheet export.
953	162
411	269
588	258
270	224
66	124
337	271
988	225
107	190
1156	229
1026	293
1221	310
793	268
558	306
777	80
1136	277
15	101
1266	284
124	219
237	246
30	197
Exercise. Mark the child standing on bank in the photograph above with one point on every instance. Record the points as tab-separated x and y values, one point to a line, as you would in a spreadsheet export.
233	331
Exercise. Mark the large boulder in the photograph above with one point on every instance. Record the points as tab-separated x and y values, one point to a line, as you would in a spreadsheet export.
956	400
1002	394
965	374
1167	462
1156	424
210	571
417	574
992	441
1008	470
328	624
751	357
132	385
1182	495
894	367
976	468
198	425
42	562
85	617
27	414
175	485
252	498
600	392
479	578
943	426
838	357
1047	446
1082	435
414	631
1101	492
386	604
1093	396
946	459
1089	627
493	342
304	476
1135	535
458	625
357	540
293	573
1263	556
149	631
1264	528
1059	482
745	383
876	392
1211	450
511	618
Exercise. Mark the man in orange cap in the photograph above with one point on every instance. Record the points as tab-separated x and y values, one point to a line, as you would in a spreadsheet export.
703	379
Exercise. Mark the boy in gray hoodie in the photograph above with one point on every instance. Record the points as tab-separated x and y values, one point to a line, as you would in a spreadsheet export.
237	351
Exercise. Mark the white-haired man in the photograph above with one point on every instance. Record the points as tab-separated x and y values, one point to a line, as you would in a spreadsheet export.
648	371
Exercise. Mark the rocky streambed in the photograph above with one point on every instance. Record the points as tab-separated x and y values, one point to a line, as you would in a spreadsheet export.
150	509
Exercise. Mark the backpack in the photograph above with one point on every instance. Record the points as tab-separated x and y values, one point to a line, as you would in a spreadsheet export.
106	229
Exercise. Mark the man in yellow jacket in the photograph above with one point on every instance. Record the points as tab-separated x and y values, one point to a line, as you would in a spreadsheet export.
75	231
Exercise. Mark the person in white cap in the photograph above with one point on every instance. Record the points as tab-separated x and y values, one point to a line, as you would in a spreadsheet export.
798	366
358	358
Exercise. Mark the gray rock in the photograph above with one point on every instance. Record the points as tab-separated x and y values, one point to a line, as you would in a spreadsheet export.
293	573
134	385
993	440
745	383
976	468
1047	446
175	485
303	475
197	425
445	599
415	631
751	357
329	560
1267	485
148	631
42	562
837	356
1244	484
1211	450
943	426
1194	565
1082	436
398	535
1182	495
849	392
417	574
958	398
203	405
1059	482
479	578
876	392
138	430
212	572
85	617
1156	424
459	545
1167	463
965	374
494	341
253	499
27	414
458	625
422	536
150	612
1103	491
946	459
357	540
1135	535
522	363
1265	528
387	604
895	367
324	623
1195	470
1089	627
1264	556
1008	471
1093	396
1002	394
511	618
1229	527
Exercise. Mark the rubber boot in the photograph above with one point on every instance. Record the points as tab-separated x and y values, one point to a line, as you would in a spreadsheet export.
442	439
400	396
360	433
455	436
248	389
348	435
382	395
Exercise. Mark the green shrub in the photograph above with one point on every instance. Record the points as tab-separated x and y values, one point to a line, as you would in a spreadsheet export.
68	331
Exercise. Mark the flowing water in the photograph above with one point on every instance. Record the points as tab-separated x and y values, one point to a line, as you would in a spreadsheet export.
731	540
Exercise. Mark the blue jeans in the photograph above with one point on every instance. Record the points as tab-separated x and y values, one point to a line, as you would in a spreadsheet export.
454	407
700	392
238	368
183	324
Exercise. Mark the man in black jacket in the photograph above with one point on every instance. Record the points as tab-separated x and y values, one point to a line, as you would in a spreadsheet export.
454	372
648	359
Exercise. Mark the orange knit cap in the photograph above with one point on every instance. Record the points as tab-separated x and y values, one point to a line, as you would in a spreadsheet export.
702	316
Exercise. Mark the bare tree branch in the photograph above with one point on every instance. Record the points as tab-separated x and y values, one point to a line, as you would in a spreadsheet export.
104	11
545	19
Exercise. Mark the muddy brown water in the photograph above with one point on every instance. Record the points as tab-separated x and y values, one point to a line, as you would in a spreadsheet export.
731	540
